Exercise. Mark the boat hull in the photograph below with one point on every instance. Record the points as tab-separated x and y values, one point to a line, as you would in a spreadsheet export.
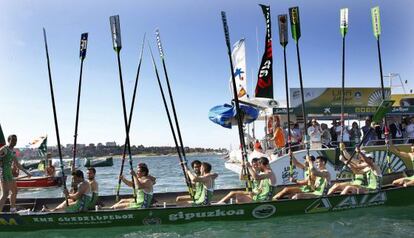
40	182
99	162
230	212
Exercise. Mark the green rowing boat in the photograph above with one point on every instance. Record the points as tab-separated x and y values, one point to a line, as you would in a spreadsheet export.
166	214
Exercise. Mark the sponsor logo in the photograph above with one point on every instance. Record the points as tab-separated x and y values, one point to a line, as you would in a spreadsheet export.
8	222
366	200
194	215
320	205
263	211
151	221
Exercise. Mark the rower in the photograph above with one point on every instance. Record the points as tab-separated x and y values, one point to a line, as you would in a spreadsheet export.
356	167
91	173
243	196
78	201
407	181
144	184
305	185
206	178
266	180
372	172
322	179
197	186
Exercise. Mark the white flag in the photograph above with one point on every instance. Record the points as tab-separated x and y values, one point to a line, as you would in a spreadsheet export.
239	58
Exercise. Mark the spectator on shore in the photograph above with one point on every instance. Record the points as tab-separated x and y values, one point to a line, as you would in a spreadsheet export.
396	131
314	133
355	134
366	129
410	130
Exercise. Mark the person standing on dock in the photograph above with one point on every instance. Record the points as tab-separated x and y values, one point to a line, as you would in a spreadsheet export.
7	182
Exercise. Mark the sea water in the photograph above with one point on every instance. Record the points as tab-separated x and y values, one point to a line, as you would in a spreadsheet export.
369	222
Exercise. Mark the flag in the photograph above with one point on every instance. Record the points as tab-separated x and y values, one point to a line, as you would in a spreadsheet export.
40	144
264	86
376	22
239	59
344	21
2	139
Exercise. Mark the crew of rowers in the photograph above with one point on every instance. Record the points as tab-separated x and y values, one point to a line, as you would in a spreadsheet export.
261	179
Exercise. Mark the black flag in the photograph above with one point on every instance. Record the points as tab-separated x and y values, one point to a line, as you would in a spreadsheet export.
264	87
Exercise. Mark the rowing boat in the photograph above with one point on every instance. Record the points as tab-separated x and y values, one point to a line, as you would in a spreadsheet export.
99	162
164	211
39	182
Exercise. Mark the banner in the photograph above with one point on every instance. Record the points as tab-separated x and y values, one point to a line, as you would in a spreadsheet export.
376	23
239	60
264	87
331	97
283	30
344	21
83	45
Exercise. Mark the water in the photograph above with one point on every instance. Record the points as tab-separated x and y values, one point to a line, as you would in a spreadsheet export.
370	222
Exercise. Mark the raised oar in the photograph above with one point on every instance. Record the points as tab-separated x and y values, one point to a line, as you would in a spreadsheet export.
283	38
82	55
118	188
295	28
162	56
344	30
182	163
55	115
116	40
245	171
376	26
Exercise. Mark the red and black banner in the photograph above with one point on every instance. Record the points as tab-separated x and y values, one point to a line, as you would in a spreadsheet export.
264	87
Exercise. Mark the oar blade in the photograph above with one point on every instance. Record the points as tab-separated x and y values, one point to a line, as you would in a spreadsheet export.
376	22
382	109
343	21
283	29
295	22
116	32
83	45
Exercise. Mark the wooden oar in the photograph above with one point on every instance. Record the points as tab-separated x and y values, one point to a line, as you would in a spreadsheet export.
245	171
182	163
118	188
376	25
82	55
116	40
283	38
54	114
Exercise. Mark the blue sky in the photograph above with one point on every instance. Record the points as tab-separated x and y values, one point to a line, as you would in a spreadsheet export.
196	59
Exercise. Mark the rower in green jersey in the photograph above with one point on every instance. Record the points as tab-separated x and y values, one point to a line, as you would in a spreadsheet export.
372	172
244	196
144	189
91	173
197	186
303	185
322	179
79	200
7	181
356	166
406	181
206	178
266	181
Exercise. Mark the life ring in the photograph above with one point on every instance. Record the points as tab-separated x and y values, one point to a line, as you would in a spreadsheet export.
279	138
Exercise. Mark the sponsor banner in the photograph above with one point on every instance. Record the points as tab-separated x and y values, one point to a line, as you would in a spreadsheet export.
403	100
294	22
331	97
283	30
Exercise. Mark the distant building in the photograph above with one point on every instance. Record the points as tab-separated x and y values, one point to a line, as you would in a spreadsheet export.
110	143
69	146
91	145
81	146
100	145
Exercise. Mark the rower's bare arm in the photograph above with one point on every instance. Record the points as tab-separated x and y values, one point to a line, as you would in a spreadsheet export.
261	176
302	182
144	183
322	174
400	153
20	166
126	181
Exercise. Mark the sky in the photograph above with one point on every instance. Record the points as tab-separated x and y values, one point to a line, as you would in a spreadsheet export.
196	59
